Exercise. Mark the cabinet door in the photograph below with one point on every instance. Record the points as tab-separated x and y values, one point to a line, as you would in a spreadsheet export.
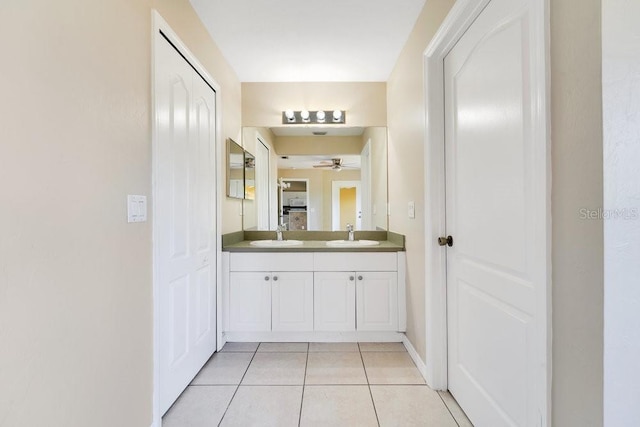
334	304
249	301
292	301
377	301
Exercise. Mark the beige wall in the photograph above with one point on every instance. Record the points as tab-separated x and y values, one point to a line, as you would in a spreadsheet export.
263	103
576	133
311	145
406	113
75	277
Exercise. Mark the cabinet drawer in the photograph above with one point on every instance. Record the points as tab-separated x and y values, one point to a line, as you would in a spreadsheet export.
356	261
265	261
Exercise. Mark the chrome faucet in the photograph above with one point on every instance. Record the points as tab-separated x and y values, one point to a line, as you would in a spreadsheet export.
279	233
350	230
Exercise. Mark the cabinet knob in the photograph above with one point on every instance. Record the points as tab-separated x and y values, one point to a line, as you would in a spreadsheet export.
351	278
275	278
266	278
359	277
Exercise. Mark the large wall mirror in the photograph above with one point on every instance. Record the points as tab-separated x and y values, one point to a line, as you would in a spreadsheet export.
317	178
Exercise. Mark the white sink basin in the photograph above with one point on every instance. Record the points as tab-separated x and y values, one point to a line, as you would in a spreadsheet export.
352	243
275	243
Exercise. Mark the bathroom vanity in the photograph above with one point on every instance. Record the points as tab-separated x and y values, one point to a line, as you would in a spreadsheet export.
313	292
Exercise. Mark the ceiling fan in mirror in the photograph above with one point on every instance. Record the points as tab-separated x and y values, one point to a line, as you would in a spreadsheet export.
335	164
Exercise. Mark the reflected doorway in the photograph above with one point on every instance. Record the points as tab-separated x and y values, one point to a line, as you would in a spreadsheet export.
293	200
346	205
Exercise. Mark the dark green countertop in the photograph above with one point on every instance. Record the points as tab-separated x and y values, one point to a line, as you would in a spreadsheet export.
313	241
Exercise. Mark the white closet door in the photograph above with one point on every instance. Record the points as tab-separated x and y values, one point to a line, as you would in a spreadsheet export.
496	267
184	221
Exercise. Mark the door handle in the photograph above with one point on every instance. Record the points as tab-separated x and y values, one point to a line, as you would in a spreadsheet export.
275	278
266	278
448	241
359	277
351	278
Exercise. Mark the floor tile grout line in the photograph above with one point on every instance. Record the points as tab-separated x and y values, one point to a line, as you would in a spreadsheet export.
373	402
304	385
455	420
238	386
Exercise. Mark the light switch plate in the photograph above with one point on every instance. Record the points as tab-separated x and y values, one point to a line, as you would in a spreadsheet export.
412	210
136	208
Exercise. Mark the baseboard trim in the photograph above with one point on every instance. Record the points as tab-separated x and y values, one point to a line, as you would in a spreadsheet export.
422	367
314	336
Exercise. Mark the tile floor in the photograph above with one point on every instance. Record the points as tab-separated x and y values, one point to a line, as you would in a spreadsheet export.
312	384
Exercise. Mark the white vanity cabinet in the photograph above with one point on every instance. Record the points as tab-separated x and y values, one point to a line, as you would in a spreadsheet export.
270	291
377	301
265	301
313	295
292	301
374	278
250	301
334	301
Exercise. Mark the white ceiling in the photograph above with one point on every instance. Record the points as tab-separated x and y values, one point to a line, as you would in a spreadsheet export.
310	41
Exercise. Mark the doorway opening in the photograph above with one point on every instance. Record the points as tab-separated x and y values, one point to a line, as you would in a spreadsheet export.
346	205
294	203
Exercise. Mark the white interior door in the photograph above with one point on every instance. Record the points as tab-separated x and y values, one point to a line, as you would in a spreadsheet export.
494	216
184	221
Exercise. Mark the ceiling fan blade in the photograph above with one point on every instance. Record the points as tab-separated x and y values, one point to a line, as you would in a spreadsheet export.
323	166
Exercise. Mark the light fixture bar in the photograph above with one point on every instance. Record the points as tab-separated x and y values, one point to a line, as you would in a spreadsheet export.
305	117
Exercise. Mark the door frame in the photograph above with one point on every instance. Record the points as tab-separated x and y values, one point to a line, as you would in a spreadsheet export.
267	196
159	24
281	203
462	15
366	197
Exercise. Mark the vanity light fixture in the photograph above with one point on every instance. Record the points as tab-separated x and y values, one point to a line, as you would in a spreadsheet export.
290	116
335	117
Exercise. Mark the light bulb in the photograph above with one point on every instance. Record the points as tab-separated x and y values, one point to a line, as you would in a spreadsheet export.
320	116
290	115
304	114
337	115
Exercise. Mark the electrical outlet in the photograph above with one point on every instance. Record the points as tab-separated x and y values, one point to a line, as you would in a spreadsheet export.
412	210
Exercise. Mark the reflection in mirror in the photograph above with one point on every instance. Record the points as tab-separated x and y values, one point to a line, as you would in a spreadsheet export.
293	200
249	176
235	170
345	172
